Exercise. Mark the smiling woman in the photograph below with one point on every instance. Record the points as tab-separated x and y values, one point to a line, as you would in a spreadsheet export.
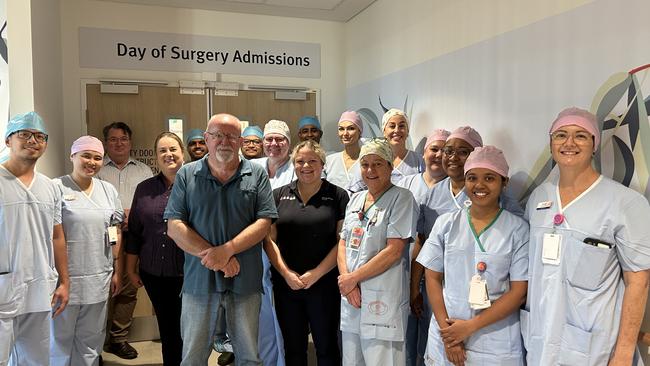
91	215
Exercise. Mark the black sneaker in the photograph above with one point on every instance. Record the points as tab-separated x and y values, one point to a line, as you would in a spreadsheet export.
122	350
226	358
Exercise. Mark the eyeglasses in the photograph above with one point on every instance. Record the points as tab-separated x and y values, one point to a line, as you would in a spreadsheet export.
461	153
252	142
26	135
278	140
123	139
580	137
221	136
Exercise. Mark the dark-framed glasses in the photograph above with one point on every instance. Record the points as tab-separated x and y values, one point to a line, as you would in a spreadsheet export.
26	135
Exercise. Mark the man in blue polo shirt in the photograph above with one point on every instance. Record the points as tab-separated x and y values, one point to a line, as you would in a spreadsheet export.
219	210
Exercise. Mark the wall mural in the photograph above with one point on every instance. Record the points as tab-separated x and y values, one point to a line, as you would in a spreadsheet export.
622	111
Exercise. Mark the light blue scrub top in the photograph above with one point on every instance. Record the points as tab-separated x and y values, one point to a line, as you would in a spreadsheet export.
440	200
336	173
27	219
416	184
385	297
412	163
452	249
86	219
574	308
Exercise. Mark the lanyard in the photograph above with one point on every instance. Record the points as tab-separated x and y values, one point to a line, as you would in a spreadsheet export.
476	236
362	212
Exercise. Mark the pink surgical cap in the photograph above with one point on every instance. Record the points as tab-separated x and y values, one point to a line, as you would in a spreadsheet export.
87	143
352	116
578	117
488	157
468	134
438	134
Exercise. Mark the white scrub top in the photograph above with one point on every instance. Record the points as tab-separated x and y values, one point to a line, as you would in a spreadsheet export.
412	163
86	219
27	219
575	307
385	297
453	250
440	200
283	176
336	173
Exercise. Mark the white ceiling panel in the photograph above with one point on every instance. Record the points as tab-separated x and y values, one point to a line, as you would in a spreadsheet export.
335	10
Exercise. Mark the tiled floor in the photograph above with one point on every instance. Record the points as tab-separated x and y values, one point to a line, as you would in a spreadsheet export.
149	354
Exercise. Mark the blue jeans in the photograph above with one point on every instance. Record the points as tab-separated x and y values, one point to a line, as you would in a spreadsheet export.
198	324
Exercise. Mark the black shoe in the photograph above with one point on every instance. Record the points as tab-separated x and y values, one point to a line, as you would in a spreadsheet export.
122	350
101	361
226	358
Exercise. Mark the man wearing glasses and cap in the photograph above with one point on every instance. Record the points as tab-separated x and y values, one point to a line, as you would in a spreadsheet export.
252	143
31	291
196	144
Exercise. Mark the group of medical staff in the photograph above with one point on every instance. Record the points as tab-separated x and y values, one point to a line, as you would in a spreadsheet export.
437	263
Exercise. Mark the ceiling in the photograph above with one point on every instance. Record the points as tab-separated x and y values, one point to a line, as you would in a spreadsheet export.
334	10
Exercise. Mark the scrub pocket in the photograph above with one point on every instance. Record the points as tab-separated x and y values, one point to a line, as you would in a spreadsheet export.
575	346
9	296
497	274
591	265
381	316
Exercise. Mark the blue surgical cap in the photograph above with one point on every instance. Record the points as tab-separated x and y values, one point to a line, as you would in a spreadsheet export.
25	121
308	120
253	131
194	134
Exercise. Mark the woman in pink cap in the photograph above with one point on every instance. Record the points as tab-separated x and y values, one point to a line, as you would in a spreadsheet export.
91	215
419	184
341	166
481	252
589	257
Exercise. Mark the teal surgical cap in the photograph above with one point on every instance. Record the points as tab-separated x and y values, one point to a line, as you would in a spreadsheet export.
25	121
253	131
308	120
194	134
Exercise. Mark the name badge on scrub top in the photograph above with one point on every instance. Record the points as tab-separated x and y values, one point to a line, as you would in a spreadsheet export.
356	237
111	235
478	293
551	248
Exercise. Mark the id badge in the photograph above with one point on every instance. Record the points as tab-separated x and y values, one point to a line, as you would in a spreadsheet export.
112	235
356	237
551	249
478	293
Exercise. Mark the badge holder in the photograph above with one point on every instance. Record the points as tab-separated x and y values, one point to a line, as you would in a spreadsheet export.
552	243
478	291
111	236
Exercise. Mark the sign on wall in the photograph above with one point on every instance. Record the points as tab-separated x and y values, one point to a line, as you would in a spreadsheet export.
122	49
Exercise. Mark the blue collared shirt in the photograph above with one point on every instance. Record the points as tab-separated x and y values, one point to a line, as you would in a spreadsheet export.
219	212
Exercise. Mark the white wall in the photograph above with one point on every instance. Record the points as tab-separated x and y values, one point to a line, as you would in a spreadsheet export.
103	14
35	71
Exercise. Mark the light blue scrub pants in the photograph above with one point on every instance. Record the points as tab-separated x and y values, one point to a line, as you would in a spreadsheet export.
417	332
271	344
25	340
77	335
371	352
199	320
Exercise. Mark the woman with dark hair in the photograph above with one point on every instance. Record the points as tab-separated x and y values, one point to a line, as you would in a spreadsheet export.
149	249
